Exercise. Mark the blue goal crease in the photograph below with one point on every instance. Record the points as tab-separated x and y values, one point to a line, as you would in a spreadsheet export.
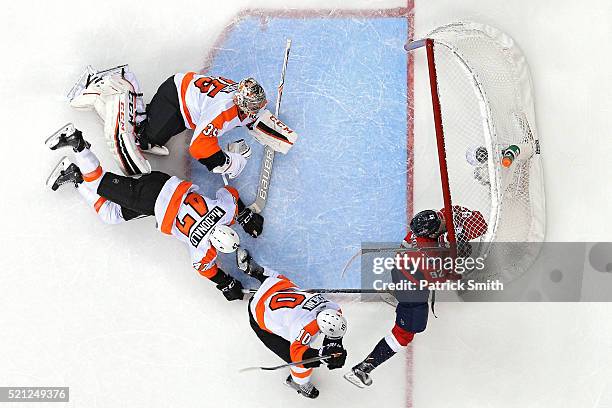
344	181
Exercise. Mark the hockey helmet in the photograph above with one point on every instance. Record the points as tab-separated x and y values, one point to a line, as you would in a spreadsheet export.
331	323
224	239
426	224
250	96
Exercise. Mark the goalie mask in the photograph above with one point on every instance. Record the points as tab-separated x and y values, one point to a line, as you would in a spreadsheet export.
224	239
331	323
250	96
426	223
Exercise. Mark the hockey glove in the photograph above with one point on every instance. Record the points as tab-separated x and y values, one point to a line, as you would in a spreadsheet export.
333	346
230	287
251	222
310	353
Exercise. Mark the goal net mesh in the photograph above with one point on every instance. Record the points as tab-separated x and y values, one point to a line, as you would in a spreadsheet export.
486	106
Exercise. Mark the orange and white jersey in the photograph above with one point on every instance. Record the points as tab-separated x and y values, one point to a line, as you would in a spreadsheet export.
208	108
182	212
280	307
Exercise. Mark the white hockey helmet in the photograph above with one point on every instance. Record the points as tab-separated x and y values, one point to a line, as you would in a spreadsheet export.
224	239
250	96
331	323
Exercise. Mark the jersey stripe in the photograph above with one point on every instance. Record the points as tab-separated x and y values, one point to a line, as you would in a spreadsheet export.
98	204
205	146
260	308
208	257
173	207
93	175
184	86
304	374
297	349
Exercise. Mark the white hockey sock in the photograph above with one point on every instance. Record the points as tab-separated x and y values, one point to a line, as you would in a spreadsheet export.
90	168
300	375
393	343
108	211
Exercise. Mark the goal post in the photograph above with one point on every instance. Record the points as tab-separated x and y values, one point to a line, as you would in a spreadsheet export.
487	144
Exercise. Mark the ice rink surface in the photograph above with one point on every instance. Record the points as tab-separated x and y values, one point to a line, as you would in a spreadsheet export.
117	314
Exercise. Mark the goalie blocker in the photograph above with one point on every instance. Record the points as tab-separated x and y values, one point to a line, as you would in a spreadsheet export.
271	131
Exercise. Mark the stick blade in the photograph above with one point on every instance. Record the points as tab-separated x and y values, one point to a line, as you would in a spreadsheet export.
247	369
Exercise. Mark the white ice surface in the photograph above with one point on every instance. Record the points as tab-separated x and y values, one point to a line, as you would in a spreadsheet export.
116	312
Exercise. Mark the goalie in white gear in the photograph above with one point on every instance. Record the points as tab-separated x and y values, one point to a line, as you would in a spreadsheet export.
287	320
210	106
202	223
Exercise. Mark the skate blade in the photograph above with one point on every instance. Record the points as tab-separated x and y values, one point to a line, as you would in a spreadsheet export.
81	83
57	171
353	379
67	130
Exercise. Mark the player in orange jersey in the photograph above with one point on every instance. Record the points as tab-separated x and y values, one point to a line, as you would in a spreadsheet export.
287	320
202	223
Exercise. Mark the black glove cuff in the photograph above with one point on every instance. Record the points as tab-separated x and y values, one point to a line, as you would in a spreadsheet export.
327	341
241	206
311	353
221	278
217	159
244	216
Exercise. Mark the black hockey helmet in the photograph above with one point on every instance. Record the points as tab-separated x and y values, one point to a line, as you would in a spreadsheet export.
426	224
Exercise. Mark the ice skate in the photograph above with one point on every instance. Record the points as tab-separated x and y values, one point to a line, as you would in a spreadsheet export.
91	76
308	390
360	375
246	264
64	172
67	136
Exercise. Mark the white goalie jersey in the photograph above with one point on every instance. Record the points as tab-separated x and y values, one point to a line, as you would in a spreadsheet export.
207	106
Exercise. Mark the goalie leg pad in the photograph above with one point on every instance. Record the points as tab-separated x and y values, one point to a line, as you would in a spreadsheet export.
119	119
136	194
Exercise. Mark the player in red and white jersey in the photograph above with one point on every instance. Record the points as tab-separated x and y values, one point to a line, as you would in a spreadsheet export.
202	223
428	237
287	320
208	105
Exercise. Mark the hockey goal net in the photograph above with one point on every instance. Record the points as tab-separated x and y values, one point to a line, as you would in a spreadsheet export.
482	100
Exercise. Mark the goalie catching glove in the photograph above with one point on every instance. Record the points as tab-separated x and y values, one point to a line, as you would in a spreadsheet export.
235	159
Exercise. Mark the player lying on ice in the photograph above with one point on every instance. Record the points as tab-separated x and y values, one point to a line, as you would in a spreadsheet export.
287	320
210	106
202	223
428	237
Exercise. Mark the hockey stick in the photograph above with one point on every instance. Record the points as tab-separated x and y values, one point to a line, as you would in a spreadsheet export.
306	361
371	250
265	174
322	290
